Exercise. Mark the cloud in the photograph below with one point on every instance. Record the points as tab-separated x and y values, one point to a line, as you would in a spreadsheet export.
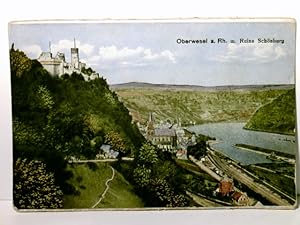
166	54
32	51
66	45
126	56
107	56
250	52
112	52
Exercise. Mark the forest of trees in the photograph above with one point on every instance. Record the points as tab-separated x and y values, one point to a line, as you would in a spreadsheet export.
55	119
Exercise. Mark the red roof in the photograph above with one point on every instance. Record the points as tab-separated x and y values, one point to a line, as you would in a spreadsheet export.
236	195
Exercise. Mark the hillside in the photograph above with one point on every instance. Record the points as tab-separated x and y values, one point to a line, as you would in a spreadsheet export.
199	105
89	182
70	104
279	116
55	119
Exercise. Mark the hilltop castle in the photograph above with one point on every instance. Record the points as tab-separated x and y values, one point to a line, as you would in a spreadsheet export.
57	66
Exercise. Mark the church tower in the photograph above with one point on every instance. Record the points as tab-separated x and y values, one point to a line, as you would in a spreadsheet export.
75	56
150	127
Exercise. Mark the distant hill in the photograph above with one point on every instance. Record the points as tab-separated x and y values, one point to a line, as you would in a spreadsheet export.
278	116
199	87
195	104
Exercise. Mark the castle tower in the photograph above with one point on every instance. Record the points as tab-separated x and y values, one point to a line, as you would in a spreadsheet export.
75	56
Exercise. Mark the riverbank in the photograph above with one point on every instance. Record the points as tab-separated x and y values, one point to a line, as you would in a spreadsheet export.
264	151
230	134
269	131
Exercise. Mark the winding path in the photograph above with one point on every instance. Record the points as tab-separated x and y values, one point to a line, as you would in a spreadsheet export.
101	160
106	189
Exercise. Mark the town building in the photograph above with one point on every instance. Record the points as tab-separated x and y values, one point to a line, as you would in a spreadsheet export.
106	152
168	136
226	187
181	154
240	199
57	66
163	136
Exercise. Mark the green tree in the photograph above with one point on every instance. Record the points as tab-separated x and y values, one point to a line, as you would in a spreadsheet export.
198	150
115	140
97	142
164	195
87	71
141	176
147	155
19	63
45	99
34	187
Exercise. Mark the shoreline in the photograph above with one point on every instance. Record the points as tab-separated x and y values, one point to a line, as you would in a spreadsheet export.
271	132
244	127
251	150
264	151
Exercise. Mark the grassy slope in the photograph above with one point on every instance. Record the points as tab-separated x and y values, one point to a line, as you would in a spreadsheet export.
92	185
277	116
195	105
120	195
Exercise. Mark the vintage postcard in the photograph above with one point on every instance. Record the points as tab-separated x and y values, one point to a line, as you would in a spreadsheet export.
153	114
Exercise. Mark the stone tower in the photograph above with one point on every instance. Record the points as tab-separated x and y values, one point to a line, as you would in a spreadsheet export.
75	56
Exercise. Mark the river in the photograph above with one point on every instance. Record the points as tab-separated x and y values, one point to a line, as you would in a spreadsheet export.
229	134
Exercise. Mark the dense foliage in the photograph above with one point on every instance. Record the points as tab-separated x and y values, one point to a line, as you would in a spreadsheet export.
278	116
199	149
55	119
34	187
157	178
87	71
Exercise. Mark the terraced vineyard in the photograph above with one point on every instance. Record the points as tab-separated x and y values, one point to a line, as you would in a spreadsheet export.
195	105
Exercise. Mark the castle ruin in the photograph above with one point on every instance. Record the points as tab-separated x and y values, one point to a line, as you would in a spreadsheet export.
57	66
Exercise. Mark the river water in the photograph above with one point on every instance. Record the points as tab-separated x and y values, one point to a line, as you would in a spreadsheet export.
229	134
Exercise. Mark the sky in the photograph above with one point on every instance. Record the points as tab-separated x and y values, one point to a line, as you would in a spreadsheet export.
150	52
